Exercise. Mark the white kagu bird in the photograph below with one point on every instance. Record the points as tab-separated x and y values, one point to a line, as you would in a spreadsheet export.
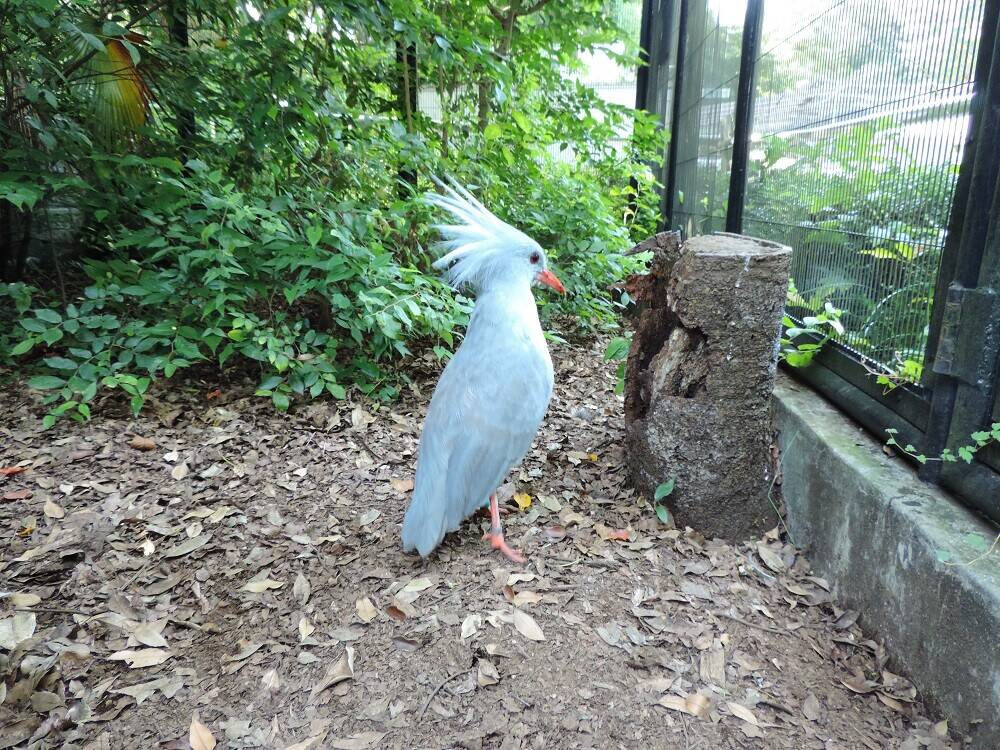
493	394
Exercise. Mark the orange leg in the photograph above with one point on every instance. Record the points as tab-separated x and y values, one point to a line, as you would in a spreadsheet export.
495	534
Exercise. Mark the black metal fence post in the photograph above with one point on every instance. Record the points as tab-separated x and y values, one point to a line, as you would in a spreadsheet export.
749	50
963	289
645	49
675	118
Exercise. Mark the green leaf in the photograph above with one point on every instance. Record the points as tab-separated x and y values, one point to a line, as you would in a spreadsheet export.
52	335
663	514
49	315
46	382
280	401
60	363
48	421
23	347
977	541
967	453
617	349
314	234
269	384
492	131
33	325
664	489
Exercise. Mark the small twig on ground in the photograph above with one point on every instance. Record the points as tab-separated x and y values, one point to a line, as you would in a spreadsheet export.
53	610
368	448
749	624
776	706
437	690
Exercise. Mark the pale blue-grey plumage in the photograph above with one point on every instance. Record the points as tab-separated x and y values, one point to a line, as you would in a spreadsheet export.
493	394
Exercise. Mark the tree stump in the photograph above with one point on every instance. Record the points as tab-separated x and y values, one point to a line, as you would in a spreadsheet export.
699	379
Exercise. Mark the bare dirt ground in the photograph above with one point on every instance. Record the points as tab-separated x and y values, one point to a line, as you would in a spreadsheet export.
216	561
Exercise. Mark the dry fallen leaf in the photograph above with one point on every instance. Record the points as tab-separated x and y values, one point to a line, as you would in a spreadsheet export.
180	471
188	545
401	485
742	712
200	737
695	704
150	633
471	625
53	510
14	630
17	494
366	610
20	599
487	673
527	626
142	443
811	708
770	558
271	681
523	500
144	657
339	672
141	692
301	589
306	628
257	587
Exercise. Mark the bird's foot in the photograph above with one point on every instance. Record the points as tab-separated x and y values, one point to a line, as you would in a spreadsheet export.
497	542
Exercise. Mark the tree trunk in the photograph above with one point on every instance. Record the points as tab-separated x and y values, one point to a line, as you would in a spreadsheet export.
406	101
184	116
699	379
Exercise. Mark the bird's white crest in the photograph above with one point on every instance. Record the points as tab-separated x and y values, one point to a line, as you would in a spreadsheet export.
477	246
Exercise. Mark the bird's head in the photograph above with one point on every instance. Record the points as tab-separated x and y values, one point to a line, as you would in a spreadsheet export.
482	250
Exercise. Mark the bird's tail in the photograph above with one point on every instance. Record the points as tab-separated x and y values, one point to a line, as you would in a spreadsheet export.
423	529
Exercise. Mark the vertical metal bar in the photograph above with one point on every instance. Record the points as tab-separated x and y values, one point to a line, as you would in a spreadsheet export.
642	84
968	227
749	51
645	60
949	256
675	118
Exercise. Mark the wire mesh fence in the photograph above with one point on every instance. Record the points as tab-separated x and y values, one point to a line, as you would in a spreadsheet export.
860	111
860	117
865	134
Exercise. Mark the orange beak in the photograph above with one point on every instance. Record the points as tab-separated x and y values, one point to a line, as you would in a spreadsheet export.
549	279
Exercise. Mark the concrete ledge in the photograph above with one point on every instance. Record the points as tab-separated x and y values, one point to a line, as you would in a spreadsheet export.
897	550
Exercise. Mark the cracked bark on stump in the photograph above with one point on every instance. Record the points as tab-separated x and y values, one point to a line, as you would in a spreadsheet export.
699	378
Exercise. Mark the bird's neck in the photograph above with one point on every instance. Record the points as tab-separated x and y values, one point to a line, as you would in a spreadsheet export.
511	303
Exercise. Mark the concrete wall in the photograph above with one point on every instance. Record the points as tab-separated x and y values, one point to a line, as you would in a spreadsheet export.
898	551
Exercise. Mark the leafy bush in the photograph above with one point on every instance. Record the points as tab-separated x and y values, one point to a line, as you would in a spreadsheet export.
276	224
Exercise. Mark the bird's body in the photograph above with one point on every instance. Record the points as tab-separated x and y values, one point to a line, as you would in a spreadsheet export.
491	397
482	419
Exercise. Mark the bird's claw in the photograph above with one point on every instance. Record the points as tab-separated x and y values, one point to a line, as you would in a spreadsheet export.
497	542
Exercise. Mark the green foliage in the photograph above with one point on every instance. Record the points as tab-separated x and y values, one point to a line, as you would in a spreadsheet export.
617	351
966	453
266	214
800	343
662	492
872	251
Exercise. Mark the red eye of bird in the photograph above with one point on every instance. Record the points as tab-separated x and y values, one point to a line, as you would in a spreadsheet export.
535	257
